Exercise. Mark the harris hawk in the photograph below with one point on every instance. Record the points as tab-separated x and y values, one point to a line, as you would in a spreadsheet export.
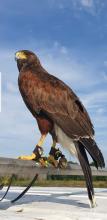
58	111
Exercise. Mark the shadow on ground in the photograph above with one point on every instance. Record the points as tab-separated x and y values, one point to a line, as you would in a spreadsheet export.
52	198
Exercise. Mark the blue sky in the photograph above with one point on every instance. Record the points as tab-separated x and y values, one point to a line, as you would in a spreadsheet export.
70	38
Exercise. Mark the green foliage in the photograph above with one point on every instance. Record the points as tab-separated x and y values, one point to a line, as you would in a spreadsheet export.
56	180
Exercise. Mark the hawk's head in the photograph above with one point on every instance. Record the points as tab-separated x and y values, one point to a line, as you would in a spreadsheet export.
26	57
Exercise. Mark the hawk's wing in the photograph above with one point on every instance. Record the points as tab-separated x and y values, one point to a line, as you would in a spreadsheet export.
61	104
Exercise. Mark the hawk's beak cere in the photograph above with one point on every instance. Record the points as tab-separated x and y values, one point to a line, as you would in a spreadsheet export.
20	55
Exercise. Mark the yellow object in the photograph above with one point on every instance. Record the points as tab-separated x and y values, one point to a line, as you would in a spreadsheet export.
29	157
40	143
33	156
20	55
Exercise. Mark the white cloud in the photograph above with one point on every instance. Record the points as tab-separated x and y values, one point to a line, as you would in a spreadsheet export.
100	122
100	111
104	76
94	7
61	62
0	91
105	63
95	99
96	104
87	3
11	87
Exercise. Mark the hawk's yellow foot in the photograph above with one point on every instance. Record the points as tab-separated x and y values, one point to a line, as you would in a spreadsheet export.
28	157
36	155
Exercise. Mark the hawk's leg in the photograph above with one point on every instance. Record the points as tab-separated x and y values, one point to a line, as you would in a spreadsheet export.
56	158
51	157
37	151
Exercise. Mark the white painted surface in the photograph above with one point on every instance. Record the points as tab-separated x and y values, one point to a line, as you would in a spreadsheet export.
53	203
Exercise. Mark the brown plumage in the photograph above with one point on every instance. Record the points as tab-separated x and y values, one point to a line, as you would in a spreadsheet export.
58	111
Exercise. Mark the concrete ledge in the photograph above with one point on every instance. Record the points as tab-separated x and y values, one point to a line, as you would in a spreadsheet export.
27	169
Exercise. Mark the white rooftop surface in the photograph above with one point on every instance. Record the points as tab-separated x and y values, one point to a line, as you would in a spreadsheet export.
53	203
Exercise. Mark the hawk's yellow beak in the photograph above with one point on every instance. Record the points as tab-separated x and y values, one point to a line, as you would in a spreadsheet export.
20	55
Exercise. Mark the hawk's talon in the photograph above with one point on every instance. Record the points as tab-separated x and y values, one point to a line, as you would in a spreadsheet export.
56	158
43	162
52	161
36	155
62	162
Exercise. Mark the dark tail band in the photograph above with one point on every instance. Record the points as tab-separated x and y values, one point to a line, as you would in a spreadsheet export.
82	156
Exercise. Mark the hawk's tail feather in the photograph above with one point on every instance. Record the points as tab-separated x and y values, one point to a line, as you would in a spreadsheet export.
83	159
94	151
